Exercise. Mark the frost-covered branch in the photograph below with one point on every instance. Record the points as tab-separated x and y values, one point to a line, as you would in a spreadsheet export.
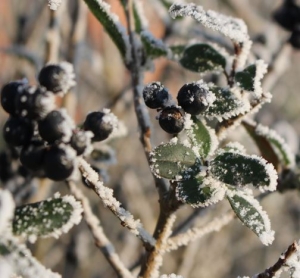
106	195
195	233
101	240
289	260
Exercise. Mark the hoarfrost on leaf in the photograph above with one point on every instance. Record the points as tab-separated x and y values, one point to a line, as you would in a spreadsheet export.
54	4
250	212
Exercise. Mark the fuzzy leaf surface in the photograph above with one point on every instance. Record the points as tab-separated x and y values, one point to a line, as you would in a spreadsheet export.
203	138
173	161
202	58
200	191
249	211
110	22
154	47
246	77
239	170
51	217
20	258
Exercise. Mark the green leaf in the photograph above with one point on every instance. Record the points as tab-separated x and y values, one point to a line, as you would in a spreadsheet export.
239	170
271	145
137	15
173	161
154	47
51	217
200	191
202	137
250	212
245	78
226	105
19	257
202	58
115	30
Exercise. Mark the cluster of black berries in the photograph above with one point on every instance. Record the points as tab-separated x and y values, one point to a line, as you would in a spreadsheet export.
46	138
288	17
192	98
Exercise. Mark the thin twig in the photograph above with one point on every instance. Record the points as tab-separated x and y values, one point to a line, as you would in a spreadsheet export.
101	240
195	233
52	40
106	195
282	261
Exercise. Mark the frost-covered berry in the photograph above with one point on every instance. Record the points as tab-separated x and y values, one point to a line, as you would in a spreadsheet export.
171	119
57	77
155	95
193	98
8	95
81	141
295	37
287	15
34	102
56	126
32	155
101	124
18	131
58	162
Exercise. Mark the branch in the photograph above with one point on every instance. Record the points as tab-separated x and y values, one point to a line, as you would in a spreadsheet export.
52	39
195	233
106	195
101	241
282	262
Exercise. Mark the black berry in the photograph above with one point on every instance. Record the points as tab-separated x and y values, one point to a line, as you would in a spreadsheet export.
58	162
56	126
57	77
6	170
8	96
32	155
80	141
34	102
193	98
295	37
171	119
155	95
287	15
100	124
18	131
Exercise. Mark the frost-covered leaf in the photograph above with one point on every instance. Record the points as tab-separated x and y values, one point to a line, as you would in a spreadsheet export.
173	161
154	47
250	212
7	207
235	147
202	58
140	21
271	145
239	170
19	257
111	24
51	217
233	28
226	104
203	138
200	191
250	78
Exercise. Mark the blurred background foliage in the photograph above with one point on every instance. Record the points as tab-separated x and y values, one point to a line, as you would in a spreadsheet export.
102	81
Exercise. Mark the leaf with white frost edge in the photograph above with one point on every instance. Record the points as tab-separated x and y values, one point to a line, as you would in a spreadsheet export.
173	161
235	147
203	138
200	191
7	208
154	47
250	78
19	257
51	217
112	25
227	104
202	58
239	170
233	28
140	20
250	212
282	150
